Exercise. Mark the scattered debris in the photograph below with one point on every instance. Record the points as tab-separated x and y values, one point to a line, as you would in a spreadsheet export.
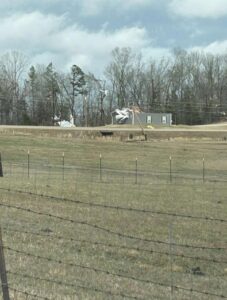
47	230
121	115
64	123
197	271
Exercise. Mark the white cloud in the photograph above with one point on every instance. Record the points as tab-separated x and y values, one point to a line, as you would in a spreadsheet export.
199	8
95	7
47	38
217	47
76	7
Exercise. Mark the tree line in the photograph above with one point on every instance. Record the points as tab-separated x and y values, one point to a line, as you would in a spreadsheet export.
190	85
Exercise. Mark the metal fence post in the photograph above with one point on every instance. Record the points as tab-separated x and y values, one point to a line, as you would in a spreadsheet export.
171	259
170	169
28	163
203	169
100	167
63	166
5	289
136	179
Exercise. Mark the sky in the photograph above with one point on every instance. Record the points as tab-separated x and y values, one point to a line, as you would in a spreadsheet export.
84	32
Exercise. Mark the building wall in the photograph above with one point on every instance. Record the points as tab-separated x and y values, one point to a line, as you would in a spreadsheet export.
151	118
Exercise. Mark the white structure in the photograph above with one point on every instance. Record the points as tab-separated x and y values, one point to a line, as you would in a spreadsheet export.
64	123
121	115
134	116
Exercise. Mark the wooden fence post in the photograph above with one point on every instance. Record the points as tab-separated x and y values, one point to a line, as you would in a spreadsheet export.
1	170
3	274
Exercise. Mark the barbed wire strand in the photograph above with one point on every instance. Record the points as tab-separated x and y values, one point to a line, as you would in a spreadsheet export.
164	285
108	206
27	293
99	290
151	251
86	267
97	227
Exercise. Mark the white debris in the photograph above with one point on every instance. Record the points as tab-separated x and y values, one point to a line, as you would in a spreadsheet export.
64	123
121	115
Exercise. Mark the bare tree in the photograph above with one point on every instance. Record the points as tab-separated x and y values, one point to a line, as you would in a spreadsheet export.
73	85
12	69
117	72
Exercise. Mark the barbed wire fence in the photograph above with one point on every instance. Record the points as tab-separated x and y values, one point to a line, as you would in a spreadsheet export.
102	171
107	272
212	255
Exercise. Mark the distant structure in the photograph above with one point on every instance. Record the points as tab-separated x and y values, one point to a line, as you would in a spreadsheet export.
122	115
134	116
64	123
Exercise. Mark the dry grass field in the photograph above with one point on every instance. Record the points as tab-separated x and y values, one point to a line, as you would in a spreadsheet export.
81	228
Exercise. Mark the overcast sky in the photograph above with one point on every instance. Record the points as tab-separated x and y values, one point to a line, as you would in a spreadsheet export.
84	32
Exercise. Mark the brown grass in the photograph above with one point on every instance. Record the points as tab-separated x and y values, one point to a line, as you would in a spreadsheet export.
69	242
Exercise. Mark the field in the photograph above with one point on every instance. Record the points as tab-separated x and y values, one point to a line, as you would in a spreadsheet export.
145	220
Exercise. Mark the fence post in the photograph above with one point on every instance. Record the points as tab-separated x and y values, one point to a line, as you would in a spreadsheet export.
170	169
100	167
63	166
1	170
28	163
136	171
171	259
5	290
203	169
